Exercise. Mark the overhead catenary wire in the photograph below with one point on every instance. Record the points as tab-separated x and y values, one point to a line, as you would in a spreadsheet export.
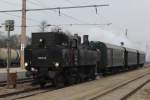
71	17
69	2
56	8
9	3
17	16
58	11
33	20
14	15
65	25
32	2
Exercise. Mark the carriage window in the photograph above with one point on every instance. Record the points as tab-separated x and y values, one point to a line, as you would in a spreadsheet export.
42	43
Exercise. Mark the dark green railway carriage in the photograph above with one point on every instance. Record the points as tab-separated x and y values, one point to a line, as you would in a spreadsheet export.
131	57
112	56
141	58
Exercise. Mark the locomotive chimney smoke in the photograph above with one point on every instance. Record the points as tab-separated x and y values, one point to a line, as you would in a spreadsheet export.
97	34
85	40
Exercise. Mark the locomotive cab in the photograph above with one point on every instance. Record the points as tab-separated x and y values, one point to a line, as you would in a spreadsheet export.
47	49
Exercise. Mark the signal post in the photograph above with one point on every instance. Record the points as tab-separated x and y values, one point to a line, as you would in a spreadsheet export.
9	26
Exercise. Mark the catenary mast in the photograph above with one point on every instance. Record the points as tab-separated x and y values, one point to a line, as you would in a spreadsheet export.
23	33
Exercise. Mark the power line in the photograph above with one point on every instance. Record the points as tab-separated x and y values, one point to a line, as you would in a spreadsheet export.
56	8
69	16
10	3
56	11
11	14
39	3
66	15
33	3
66	25
69	2
71	7
17	16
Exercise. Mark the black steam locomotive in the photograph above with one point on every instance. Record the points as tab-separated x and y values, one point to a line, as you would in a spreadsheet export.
64	60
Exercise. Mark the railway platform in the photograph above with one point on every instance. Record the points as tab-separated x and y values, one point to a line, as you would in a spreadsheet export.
20	73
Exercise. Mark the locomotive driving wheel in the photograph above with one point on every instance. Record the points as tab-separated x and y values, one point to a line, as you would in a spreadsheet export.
59	81
92	74
42	84
72	76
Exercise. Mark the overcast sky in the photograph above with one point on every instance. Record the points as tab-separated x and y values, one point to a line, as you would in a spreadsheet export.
131	14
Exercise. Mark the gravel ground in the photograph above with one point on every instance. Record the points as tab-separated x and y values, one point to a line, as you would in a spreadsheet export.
119	93
87	90
142	94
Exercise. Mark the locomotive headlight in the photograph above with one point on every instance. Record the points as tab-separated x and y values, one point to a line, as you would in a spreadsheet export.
57	64
33	69
26	64
41	40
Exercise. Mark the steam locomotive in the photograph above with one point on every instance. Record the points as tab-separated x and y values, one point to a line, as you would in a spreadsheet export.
63	60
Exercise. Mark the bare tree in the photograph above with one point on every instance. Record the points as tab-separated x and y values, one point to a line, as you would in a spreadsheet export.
14	42
56	29
43	26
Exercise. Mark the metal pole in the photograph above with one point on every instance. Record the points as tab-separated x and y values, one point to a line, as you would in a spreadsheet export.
23	33
8	57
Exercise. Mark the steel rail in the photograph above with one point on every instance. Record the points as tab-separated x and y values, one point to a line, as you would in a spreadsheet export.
119	86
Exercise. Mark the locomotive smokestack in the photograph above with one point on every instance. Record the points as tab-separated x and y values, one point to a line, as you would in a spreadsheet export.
86	40
78	38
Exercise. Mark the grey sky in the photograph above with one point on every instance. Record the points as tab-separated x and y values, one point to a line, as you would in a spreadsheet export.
131	14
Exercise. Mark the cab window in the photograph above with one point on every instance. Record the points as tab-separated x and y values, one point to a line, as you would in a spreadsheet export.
42	43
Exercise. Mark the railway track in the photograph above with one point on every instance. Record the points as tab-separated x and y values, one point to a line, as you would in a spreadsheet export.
101	89
24	89
134	91
26	93
20	81
76	92
124	90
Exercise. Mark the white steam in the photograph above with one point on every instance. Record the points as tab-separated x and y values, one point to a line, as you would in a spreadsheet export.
97	34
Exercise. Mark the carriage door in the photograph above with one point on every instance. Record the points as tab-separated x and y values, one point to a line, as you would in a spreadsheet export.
109	57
